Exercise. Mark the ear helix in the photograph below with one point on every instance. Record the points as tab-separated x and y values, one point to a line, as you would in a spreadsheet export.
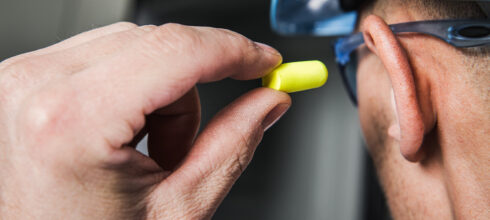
380	40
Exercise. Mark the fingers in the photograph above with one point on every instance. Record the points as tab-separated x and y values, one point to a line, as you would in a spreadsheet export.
229	140
175	57
171	130
240	57
163	64
223	150
151	70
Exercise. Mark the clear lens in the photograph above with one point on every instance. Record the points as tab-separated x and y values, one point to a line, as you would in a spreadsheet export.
351	74
348	72
312	17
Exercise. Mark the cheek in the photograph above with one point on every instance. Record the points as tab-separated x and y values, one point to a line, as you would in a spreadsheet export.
373	86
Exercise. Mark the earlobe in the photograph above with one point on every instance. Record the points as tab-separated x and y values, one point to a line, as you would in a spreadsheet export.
410	127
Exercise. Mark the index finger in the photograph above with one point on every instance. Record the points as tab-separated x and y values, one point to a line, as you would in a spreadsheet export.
171	59
162	65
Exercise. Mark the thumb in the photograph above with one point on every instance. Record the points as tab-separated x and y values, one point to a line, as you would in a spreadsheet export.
222	151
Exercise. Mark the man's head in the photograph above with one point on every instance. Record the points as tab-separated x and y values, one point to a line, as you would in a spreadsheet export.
425	111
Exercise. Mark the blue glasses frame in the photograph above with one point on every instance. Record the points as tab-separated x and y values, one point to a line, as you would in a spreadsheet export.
458	33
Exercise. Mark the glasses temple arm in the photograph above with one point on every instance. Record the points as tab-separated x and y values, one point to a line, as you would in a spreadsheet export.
344	47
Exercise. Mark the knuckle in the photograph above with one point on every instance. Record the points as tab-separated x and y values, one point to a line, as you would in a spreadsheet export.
236	165
22	70
244	43
48	125
124	25
174	38
241	162
11	61
13	77
243	47
148	27
172	26
242	153
239	40
18	66
44	115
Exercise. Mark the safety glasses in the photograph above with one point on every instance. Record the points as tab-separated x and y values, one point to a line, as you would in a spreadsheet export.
459	33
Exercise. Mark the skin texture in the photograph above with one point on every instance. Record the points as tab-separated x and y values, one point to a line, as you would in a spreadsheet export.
425	119
71	114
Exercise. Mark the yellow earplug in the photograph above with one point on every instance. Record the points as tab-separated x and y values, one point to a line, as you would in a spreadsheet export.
297	76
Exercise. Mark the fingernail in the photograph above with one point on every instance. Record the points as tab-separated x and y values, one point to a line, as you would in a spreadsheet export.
268	48
274	115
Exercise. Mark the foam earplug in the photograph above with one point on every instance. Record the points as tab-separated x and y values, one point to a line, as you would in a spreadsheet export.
297	76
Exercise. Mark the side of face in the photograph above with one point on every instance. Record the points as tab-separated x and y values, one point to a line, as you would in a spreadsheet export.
414	188
408	186
424	122
376	112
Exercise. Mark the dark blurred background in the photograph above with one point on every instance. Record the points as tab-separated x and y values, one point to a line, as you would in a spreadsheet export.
310	165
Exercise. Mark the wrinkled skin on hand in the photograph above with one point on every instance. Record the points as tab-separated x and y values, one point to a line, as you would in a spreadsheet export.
71	115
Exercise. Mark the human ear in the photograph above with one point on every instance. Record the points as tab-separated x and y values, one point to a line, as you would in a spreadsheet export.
411	126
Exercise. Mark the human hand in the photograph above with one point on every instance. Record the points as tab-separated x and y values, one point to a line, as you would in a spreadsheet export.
71	114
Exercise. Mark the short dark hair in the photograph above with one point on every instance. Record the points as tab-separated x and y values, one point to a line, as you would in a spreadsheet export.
435	9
